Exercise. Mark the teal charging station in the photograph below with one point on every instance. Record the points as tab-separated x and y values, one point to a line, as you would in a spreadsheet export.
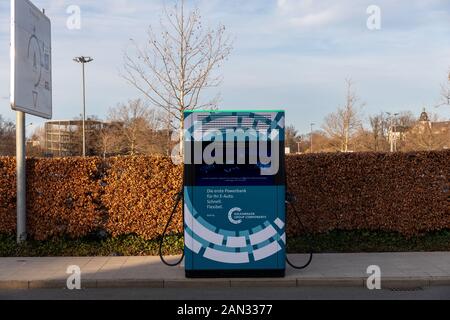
235	194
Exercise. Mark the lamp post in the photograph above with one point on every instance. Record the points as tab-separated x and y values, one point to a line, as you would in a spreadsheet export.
83	60
393	137
299	144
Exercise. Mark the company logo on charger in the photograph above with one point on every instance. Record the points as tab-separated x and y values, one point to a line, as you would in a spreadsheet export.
231	216
237	216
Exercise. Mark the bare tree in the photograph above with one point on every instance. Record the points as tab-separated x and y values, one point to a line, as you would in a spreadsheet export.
7	138
341	125
379	128
445	92
175	67
292	138
110	139
406	119
36	143
322	143
137	125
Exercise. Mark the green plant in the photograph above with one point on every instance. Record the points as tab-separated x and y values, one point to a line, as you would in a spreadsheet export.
133	245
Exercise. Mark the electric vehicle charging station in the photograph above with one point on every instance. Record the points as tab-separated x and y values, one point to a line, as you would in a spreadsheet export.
235	194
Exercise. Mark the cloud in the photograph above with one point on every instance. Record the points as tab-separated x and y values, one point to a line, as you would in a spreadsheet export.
410	14
309	13
289	53
315	19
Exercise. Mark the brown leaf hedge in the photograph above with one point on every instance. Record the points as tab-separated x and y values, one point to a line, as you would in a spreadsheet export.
138	196
406	193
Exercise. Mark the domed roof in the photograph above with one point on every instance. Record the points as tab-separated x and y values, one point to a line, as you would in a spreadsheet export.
424	117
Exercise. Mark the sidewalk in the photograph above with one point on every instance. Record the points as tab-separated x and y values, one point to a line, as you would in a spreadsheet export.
399	270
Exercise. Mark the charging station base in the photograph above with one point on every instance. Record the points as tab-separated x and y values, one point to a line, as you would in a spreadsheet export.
235	274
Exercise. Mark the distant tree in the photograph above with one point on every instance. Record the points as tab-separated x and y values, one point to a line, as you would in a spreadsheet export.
7	138
406	119
363	140
110	139
379	133
135	128
341	125
36	144
321	143
445	92
176	66
376	137
292	138
75	135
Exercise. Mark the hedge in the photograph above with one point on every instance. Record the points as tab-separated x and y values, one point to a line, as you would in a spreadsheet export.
407	193
138	196
63	197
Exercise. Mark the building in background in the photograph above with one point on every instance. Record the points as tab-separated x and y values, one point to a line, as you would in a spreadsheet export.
64	138
430	135
437	128
396	136
104	139
424	135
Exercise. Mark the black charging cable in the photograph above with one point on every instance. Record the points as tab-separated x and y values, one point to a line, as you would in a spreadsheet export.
290	199
178	197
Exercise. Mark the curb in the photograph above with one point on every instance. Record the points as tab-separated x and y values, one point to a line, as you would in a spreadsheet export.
388	283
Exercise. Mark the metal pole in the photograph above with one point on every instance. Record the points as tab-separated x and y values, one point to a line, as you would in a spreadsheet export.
83	60
392	136
396	133
395	136
312	134
21	178
391	131
84	112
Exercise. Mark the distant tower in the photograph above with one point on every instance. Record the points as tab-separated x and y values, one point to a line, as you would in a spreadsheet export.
424	116
424	121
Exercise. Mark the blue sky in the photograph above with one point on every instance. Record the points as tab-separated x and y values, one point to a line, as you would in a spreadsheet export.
291	54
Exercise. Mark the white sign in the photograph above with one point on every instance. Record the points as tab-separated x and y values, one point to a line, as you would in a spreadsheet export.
31	55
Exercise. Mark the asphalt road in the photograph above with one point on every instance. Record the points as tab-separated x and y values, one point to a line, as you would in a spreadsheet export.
434	293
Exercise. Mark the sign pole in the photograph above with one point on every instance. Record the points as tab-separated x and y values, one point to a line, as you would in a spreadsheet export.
31	86
21	178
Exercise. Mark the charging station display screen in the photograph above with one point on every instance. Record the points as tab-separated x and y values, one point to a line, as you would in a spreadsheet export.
234	193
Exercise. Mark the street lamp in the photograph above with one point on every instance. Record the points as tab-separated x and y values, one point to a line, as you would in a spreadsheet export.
299	144
83	60
393	138
312	134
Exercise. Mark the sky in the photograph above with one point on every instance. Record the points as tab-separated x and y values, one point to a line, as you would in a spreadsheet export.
288	54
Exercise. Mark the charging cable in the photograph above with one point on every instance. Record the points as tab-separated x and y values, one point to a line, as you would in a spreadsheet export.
178	197
290	199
